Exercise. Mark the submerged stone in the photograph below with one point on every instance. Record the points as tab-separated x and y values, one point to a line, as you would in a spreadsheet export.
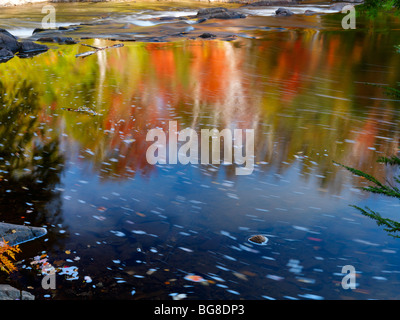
10	293
16	234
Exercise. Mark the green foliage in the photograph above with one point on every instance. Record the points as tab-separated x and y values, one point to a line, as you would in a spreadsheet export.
372	8
391	226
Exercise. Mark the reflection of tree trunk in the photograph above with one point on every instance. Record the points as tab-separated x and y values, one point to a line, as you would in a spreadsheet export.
102	62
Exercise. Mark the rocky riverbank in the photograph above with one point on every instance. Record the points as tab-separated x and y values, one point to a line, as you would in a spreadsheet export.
209	23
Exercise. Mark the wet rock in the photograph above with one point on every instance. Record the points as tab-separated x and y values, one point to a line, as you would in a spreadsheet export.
4	31
207	35
258	239
219	13
283	12
30	46
37	30
202	20
5	55
59	40
309	12
352	1
266	3
8	41
339	6
8	292
208	11
15	234
167	18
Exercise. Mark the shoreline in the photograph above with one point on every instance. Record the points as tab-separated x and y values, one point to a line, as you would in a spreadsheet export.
15	3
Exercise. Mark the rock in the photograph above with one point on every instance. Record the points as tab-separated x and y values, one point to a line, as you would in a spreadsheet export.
15	234
37	30
167	18
8	41
5	55
266	3
339	6
258	239
59	40
352	1
4	31
219	13
30	46
283	12
309	12
207	35
8	292
208	11
202	20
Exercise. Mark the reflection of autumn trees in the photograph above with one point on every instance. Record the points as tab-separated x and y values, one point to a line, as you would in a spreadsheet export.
30	158
304	93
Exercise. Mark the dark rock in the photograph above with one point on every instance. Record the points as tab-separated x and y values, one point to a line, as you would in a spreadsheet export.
266	3
37	30
219	13
283	12
8	41
5	55
352	1
4	31
309	12
166	18
15	234
30	46
339	6
208	11
10	293
207	35
202	20
59	40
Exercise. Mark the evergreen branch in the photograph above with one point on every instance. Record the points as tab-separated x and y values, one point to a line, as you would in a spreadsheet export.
391	225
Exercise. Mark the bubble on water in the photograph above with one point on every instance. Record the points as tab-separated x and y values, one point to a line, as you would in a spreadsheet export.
233	291
227	234
118	233
274	277
311	296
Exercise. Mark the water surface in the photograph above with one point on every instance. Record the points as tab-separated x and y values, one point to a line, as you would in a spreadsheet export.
137	230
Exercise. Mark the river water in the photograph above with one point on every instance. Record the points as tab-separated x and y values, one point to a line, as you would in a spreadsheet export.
132	230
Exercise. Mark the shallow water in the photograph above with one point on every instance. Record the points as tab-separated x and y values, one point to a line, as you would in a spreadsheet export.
136	231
